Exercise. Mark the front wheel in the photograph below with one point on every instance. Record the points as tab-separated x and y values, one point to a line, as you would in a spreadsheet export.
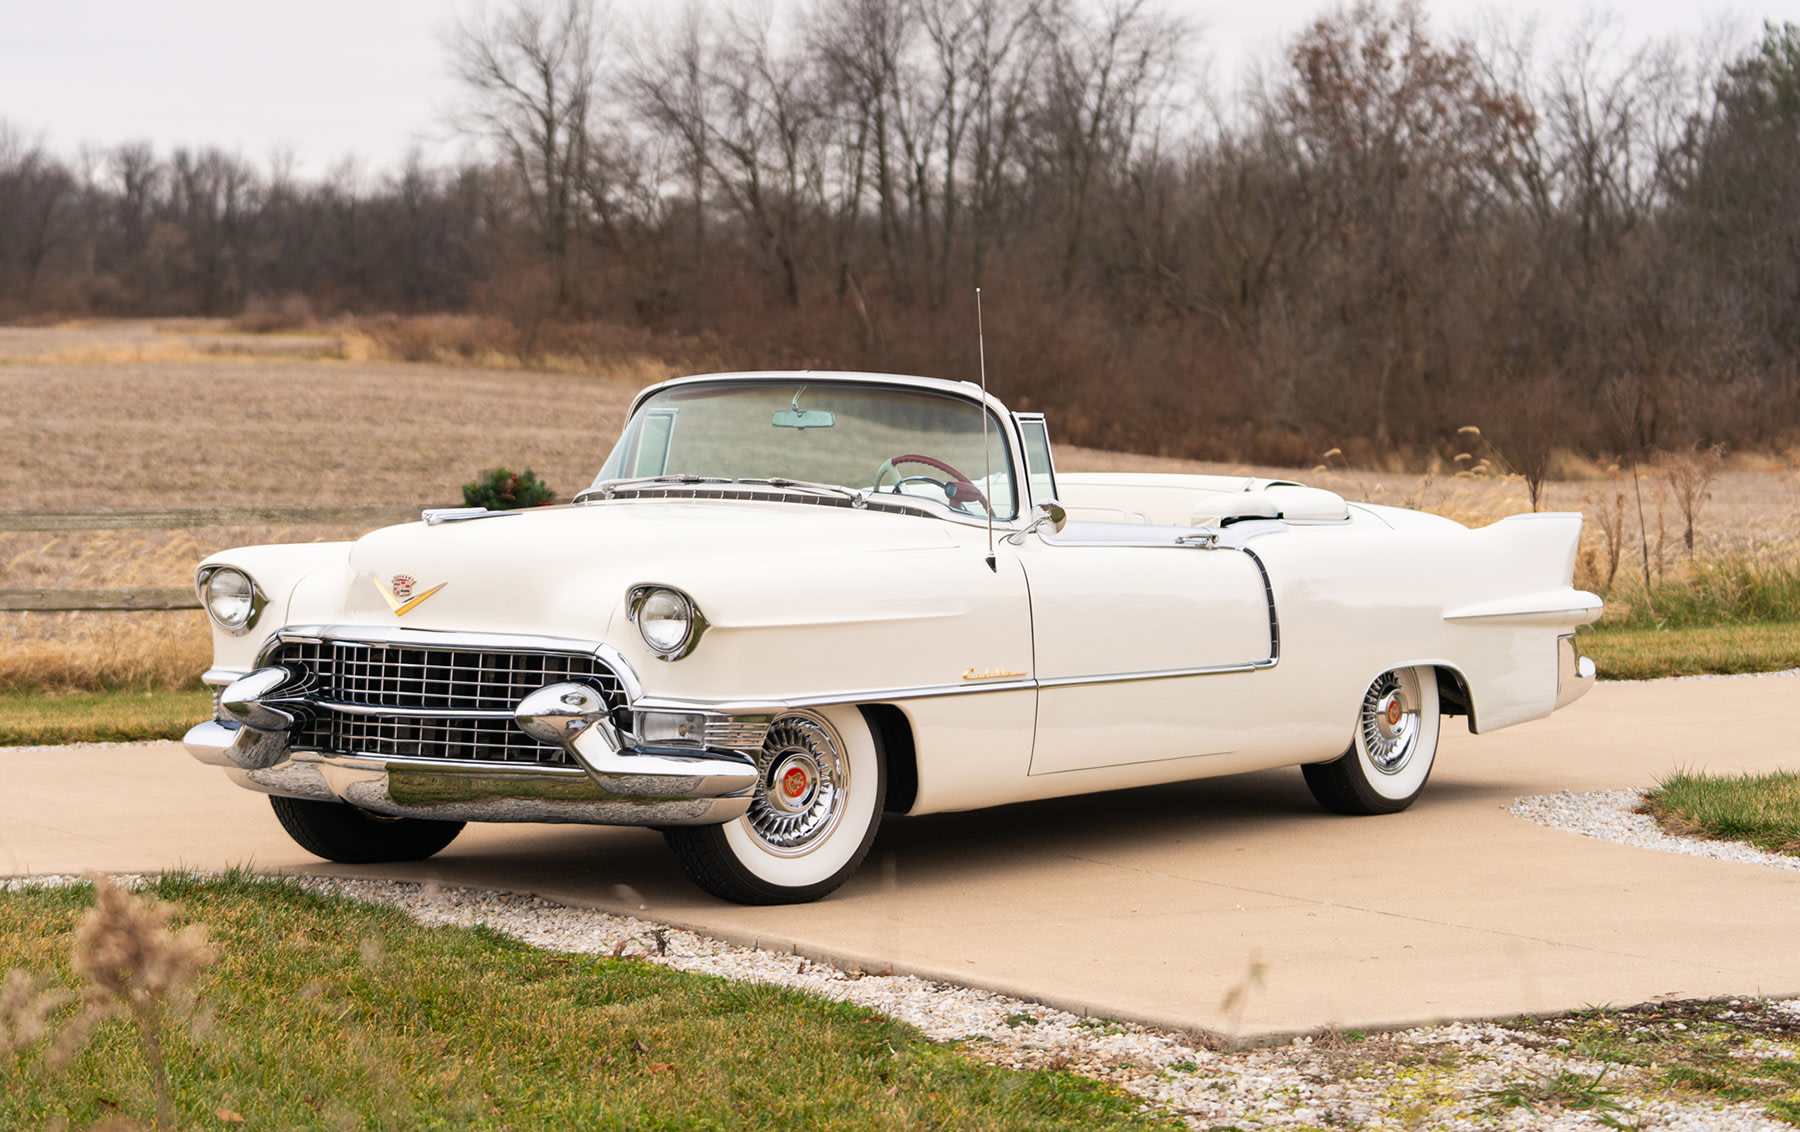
1391	751
349	836
812	818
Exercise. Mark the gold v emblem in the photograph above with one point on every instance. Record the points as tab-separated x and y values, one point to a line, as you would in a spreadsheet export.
402	608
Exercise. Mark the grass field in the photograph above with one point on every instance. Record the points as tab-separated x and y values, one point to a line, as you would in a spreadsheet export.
34	719
1645	654
324	1013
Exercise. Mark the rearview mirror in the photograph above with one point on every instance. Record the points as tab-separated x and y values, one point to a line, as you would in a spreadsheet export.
803	418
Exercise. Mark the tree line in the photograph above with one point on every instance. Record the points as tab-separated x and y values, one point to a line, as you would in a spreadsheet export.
1389	235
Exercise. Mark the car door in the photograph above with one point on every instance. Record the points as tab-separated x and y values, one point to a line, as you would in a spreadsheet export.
1143	637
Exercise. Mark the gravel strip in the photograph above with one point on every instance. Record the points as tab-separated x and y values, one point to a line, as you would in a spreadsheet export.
1442	1076
1609	815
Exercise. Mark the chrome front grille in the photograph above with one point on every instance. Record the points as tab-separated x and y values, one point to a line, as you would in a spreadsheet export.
442	695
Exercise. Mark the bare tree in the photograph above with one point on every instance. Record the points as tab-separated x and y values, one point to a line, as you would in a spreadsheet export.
531	72
1106	75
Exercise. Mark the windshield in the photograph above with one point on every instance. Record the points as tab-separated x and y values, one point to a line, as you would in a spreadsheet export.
867	437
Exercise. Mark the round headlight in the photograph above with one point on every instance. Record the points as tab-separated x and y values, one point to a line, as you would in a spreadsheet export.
666	619
230	598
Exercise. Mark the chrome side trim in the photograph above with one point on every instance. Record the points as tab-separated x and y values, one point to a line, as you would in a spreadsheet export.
870	695
1269	596
1157	674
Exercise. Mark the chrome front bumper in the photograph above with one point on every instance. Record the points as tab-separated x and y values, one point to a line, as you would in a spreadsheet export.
616	781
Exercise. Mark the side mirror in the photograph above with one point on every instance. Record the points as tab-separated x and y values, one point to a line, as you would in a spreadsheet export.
1050	514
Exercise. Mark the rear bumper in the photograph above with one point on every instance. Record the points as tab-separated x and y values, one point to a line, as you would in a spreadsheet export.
1575	674
628	789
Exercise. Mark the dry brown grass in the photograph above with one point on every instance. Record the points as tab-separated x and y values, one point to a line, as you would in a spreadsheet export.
77	652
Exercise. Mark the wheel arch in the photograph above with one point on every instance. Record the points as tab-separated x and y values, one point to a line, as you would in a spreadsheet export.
1454	694
894	742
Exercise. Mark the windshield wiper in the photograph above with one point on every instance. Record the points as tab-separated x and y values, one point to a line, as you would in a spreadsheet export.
854	496
608	487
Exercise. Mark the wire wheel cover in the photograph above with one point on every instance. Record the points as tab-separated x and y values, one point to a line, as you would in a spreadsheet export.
1389	724
805	778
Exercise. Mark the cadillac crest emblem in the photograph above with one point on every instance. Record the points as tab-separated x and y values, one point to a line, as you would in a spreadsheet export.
398	593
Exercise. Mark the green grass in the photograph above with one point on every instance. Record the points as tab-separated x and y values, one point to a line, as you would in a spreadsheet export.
1643	654
28	719
1683	1051
1564	1090
1761	809
327	1013
1729	589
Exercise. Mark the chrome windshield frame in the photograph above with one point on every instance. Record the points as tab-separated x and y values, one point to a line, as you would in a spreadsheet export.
1006	427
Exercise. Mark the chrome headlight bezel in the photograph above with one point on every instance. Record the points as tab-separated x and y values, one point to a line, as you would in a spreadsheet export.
239	623
645	607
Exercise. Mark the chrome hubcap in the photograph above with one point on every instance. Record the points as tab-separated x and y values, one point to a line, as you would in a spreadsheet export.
804	778
1390	721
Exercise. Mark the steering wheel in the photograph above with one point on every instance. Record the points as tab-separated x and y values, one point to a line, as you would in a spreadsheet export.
956	491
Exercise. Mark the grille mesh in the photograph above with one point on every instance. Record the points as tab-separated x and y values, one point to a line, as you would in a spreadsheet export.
448	680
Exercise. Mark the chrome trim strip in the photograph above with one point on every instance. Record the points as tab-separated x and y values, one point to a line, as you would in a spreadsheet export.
220	677
1269	596
445	766
1157	674
878	695
343	708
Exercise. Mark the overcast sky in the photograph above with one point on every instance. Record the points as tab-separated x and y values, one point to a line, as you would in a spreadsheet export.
328	79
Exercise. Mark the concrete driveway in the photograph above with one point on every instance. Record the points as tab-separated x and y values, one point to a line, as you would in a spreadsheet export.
1151	905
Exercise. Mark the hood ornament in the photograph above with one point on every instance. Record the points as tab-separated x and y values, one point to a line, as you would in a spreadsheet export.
398	593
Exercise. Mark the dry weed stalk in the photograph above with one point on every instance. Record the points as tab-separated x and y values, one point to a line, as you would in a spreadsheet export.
1690	474
136	966
1610	514
26	1005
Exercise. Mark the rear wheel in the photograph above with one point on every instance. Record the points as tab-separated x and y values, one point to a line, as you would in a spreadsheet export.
349	836
812	818
1391	752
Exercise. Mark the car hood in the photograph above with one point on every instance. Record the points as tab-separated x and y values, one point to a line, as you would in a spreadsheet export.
564	571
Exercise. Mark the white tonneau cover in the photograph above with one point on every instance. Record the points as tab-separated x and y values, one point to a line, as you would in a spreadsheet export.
1198	501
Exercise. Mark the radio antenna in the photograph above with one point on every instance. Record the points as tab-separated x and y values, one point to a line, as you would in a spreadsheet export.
987	454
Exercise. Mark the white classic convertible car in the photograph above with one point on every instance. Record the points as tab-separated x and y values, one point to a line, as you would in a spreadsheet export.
791	602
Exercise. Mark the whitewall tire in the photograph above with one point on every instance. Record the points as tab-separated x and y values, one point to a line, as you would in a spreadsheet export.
1392	747
812	819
